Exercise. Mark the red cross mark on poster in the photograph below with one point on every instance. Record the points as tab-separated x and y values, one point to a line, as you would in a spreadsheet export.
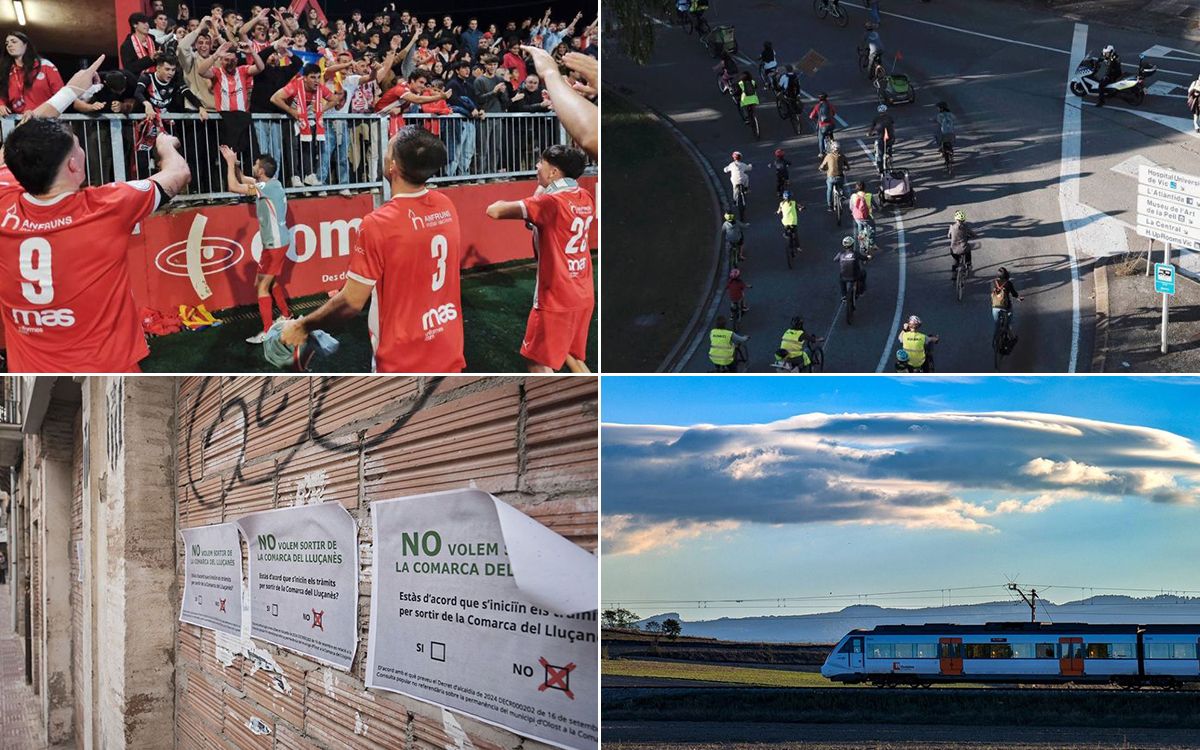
221	605
316	618
557	678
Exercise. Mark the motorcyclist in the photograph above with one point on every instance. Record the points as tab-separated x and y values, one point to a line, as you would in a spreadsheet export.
850	268
1108	72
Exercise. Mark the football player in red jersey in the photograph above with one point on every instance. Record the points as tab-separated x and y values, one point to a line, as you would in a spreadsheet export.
405	258
64	280
561	214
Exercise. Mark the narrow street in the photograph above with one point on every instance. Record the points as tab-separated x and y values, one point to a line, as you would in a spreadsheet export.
18	704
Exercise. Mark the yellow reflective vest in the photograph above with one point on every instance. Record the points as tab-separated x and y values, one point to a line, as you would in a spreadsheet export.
720	346
914	343
793	343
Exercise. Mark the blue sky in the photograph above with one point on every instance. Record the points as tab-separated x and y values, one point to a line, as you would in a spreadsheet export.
892	484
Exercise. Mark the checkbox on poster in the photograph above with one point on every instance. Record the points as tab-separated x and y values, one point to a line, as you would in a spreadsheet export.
437	651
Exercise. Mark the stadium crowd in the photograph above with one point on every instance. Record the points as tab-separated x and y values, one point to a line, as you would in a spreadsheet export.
451	73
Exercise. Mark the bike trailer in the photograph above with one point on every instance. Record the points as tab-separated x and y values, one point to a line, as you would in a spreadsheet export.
897	89
895	188
722	38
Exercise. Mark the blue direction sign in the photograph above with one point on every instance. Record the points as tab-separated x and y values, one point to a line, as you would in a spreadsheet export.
1164	278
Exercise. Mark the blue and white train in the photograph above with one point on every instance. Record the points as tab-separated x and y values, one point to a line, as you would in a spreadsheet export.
1018	652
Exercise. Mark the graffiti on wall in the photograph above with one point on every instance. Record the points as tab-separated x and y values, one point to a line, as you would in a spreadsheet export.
256	412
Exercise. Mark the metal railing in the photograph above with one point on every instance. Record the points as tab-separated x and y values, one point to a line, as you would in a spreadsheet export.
501	145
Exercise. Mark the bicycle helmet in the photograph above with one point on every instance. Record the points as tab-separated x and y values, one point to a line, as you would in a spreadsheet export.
737	155
1108	50
881	108
834	145
797	322
847	241
787	195
729	216
902	356
734	273
960	215
778	153
914	321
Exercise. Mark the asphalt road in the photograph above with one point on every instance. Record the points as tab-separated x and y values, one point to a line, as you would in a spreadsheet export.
1003	67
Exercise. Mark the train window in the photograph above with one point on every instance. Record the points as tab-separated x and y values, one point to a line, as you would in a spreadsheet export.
846	647
976	650
927	650
1097	651
1183	650
1000	651
1158	650
1022	650
1121	651
904	650
1046	651
852	646
883	650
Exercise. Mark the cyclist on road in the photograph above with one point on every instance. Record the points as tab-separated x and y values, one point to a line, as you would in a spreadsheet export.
874	45
789	214
782	174
699	8
945	126
747	94
850	269
739	172
960	236
824	114
1003	293
915	345
736	289
834	165
789	83
682	8
883	130
732	230
861	210
722	343
728	69
796	345
769	61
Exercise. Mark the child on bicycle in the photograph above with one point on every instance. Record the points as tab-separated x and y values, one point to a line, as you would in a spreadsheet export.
795	351
960	236
732	231
782	176
944	120
736	289
789	215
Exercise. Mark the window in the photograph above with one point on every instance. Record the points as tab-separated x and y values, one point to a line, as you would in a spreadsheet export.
951	650
1121	651
1097	651
1022	650
1046	651
1183	651
883	650
1001	651
927	650
904	650
1158	650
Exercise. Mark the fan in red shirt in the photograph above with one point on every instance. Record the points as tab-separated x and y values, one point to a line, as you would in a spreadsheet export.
26	80
561	215
405	258
64	281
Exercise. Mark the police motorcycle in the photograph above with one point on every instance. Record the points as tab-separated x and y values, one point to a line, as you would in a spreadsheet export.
1131	88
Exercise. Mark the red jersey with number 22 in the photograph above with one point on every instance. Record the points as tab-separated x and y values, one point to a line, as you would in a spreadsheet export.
562	218
64	282
410	251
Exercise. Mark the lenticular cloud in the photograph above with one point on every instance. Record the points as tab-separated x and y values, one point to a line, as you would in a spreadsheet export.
664	485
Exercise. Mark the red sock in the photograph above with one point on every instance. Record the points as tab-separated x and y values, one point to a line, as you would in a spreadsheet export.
264	311
280	300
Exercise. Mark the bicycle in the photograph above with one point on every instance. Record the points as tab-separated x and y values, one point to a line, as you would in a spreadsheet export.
700	23
866	240
947	150
823	8
816	360
741	356
850	291
790	109
1001	337
793	245
739	200
768	78
751	119
864	57
883	164
839	204
735	314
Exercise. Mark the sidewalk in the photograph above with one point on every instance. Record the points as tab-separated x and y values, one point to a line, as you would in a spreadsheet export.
1174	19
18	705
1128	317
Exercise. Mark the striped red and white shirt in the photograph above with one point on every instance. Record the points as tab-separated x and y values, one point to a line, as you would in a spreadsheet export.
232	90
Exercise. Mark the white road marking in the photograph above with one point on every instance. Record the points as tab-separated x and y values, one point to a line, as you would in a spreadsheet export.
1182	124
1131	166
1068	182
901	247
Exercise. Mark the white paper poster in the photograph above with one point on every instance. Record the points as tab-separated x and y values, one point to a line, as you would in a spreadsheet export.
478	608
212	577
304	580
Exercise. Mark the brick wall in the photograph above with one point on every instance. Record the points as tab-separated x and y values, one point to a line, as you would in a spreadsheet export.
76	585
248	444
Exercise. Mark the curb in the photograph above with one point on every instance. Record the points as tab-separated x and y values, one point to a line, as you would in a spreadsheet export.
685	347
1100	329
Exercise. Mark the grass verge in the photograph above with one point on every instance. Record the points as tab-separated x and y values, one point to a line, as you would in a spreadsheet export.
658	232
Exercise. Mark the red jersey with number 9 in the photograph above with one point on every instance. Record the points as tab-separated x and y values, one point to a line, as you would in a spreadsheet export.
562	218
64	282
409	250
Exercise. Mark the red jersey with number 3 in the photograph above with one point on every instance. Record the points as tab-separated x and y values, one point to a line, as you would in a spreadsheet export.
410	251
562	218
64	282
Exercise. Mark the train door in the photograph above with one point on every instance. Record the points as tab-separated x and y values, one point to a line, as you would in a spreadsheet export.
856	653
950	650
1070	656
